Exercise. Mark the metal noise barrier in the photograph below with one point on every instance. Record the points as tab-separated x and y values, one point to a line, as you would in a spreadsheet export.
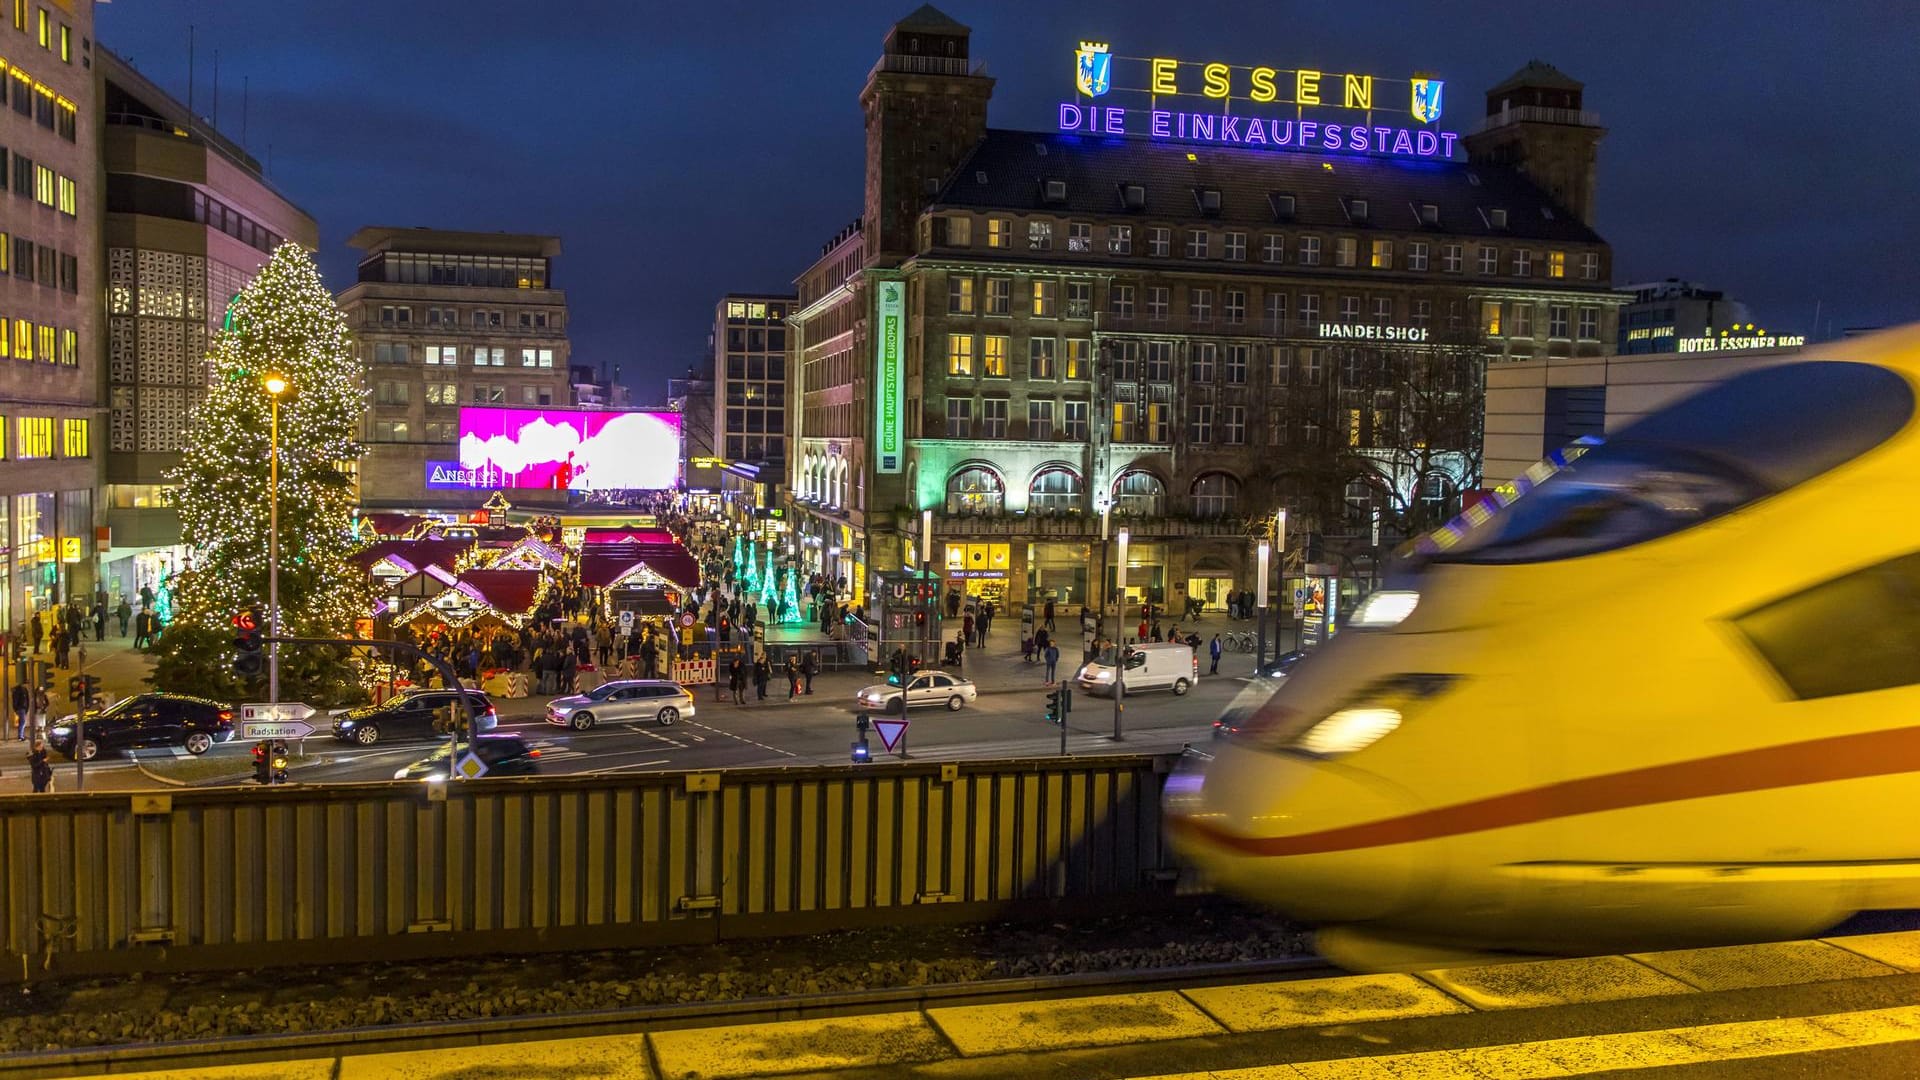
228	877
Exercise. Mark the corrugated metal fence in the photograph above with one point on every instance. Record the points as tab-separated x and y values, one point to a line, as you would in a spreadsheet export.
225	876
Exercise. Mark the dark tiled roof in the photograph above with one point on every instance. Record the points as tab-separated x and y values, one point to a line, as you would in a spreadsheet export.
928	17
1016	165
1538	73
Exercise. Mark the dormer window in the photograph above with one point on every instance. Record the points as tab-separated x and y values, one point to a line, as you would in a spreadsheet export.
1056	191
1497	218
1429	214
1357	210
1133	196
1282	206
1209	200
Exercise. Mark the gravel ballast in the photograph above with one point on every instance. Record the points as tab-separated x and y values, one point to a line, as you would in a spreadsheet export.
168	1008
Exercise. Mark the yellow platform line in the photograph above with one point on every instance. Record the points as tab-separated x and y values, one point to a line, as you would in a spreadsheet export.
1606	1053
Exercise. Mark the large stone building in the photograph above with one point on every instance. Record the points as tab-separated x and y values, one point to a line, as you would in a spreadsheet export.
1025	332
190	218
446	319
49	306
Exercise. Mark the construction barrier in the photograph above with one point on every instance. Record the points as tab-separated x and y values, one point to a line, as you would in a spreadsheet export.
693	672
245	877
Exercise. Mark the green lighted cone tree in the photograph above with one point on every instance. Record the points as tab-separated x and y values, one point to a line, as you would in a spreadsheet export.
285	323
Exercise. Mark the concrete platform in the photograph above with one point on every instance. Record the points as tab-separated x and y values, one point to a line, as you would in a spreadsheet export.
1839	1006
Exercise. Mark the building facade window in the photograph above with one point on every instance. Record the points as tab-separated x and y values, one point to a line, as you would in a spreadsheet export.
999	232
1200	304
1382	310
1490	318
959	354
1215	495
1046	298
1590	266
1522	263
1234	246
999	296
1198	244
993	418
1556	264
1159	241
1309	311
1200	424
1039	236
1381	258
959	418
975	491
1346	251
1275	316
1157	302
1450	255
1122	301
1119	239
1417	255
1073	420
1489	259
1235	368
1055	491
1139	494
1234	306
1040	420
1520	320
1079	352
959	294
1309	251
1589	324
1557	320
1080	237
1273	248
993	355
1040	356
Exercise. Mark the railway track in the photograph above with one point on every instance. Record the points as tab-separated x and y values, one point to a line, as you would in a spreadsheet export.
452	1034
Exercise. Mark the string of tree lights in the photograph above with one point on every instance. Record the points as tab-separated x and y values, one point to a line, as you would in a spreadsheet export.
284	323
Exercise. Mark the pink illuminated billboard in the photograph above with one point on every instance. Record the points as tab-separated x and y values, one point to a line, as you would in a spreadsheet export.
570	449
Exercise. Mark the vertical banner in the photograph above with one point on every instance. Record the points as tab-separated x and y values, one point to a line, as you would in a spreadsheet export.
889	422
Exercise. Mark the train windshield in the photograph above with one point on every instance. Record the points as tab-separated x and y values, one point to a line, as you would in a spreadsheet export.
1752	436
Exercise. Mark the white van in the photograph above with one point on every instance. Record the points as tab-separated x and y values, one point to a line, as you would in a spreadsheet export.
1151	665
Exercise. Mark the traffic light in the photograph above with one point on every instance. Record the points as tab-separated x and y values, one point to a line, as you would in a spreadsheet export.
247	660
1056	711
861	753
920	618
46	677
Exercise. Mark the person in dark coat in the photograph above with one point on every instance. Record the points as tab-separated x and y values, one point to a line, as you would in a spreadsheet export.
570	672
793	676
123	612
36	633
22	703
1213	651
737	680
809	667
762	673
39	767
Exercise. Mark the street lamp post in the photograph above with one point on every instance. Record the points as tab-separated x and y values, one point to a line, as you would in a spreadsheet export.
1119	648
275	386
1260	603
926	589
1280	550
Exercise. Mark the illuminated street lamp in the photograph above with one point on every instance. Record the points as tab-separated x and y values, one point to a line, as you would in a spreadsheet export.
1120	634
275	385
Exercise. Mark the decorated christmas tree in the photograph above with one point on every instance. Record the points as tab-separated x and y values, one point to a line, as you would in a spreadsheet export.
283	324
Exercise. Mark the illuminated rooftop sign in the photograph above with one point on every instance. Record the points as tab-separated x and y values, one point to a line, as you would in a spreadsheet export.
1260	107
1737	337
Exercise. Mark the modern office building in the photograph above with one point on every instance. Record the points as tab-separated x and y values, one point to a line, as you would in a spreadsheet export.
50	289
1665	312
692	397
1027	332
1537	407
444	319
750	378
190	218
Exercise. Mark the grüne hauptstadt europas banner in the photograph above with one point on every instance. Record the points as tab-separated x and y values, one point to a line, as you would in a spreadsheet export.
1255	107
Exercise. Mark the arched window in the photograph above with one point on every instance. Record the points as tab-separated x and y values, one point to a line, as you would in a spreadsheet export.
1139	494
1057	490
975	490
1215	495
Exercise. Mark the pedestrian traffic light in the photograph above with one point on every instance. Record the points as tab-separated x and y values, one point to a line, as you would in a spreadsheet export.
861	753
46	677
246	645
1056	712
919	618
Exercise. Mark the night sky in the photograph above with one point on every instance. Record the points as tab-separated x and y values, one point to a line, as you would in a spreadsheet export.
683	151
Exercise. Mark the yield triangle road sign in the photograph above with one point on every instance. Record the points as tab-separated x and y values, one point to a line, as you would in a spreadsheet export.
890	732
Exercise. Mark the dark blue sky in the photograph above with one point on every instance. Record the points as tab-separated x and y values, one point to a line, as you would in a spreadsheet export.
682	151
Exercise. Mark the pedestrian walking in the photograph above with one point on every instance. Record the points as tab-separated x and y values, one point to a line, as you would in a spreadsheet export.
793	676
35	632
61	652
1213	652
762	674
809	667
123	612
737	680
1047	618
986	621
1053	661
99	621
967	623
22	702
39	767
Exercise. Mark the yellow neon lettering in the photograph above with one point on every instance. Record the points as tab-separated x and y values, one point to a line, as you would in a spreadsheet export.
1306	87
1216	75
1359	91
1163	75
1263	84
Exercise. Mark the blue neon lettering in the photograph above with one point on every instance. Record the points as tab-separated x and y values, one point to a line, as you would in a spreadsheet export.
1357	138
1330	136
1069	116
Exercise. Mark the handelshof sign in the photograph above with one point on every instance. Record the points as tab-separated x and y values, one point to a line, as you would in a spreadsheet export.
890	419
1259	107
1357	332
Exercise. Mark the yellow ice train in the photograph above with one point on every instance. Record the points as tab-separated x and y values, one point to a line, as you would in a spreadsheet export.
1667	694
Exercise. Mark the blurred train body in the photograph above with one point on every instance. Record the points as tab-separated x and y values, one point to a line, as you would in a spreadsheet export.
1669	696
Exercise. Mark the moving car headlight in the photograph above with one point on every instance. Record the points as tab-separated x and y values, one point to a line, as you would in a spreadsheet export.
1103	676
400	774
345	724
1388	607
63	729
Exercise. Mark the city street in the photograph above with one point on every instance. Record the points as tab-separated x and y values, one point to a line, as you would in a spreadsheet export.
1008	720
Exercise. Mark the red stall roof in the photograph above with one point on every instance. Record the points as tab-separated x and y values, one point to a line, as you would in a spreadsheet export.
596	537
510	592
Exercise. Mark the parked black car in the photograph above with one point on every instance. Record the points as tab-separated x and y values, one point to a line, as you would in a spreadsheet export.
505	755
416	716
147	720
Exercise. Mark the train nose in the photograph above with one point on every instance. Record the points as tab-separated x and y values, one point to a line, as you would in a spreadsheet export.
1319	840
